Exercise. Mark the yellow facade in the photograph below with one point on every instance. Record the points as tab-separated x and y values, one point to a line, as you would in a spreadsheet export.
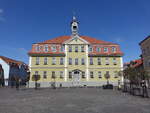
81	67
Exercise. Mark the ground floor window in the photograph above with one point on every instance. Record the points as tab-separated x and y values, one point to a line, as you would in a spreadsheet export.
44	74
53	74
91	74
61	74
70	74
83	74
99	74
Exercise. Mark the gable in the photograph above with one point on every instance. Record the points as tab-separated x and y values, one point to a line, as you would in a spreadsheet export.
76	40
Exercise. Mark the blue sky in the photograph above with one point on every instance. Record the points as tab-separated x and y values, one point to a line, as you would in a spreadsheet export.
23	22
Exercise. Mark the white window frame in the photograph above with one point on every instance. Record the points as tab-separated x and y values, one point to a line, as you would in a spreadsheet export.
76	48
98	49
114	49
53	60
107	61
99	74
105	49
44	74
91	61
70	48
37	60
46	49
61	61
90	49
45	60
76	61
82	48
61	74
70	61
82	61
53	48
99	61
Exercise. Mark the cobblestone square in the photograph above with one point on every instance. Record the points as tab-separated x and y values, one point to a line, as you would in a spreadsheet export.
71	100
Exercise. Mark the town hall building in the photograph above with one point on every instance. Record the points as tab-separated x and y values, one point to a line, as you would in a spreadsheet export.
75	60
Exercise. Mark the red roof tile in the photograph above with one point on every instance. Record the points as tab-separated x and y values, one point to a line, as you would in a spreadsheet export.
62	39
8	60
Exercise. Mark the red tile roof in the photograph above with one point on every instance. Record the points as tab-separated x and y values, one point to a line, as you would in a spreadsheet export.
138	62
62	39
135	63
9	61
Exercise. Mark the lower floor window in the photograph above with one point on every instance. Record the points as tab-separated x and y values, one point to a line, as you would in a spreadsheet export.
70	74
53	74
91	74
61	74
83	74
45	74
99	74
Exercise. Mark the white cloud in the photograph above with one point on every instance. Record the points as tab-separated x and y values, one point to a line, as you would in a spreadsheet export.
1	11
2	19
118	40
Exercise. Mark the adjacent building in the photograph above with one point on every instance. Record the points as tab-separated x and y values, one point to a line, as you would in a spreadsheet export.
11	68
75	60
145	48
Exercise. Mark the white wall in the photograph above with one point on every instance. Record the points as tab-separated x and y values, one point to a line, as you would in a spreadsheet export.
6	68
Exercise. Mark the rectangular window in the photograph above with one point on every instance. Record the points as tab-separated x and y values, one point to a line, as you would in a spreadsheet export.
82	48
37	48
98	49
70	48
70	74
44	74
53	48
53	61
114	61
115	74
61	61
105	49
70	61
91	61
76	48
62	48
61	74
90	49
99	61
37	60
36	72
45	61
83	74
46	48
107	61
113	49
76	61
53	74
82	61
91	74
99	74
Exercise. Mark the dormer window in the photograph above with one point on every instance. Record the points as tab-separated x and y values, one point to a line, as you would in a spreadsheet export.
53	48
37	48
90	49
62	48
98	49
105	49
46	48
113	49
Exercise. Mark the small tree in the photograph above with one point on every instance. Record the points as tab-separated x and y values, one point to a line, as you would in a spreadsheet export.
36	78
107	76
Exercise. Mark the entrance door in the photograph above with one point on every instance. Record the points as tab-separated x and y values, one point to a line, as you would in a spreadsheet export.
76	78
